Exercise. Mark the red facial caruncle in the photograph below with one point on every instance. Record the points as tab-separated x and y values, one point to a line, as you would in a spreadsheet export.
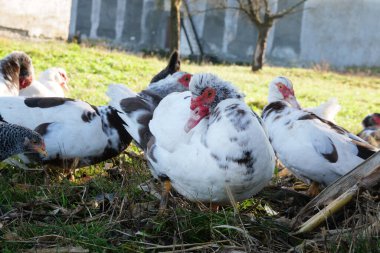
376	119
185	80
200	107
65	79
25	82
288	94
285	91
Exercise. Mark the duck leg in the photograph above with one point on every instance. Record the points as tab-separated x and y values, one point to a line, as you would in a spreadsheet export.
166	187
313	189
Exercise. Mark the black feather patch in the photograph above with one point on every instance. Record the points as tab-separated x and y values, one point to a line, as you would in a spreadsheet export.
116	122
273	107
132	104
365	150
173	66
246	159
45	102
43	128
2	119
308	117
87	116
333	156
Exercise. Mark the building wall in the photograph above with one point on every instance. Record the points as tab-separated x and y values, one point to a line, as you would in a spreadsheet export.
36	18
341	32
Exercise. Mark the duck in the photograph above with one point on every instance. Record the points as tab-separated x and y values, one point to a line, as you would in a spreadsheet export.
136	109
326	110
371	129
15	139
16	73
315	150
53	82
68	127
208	144
174	65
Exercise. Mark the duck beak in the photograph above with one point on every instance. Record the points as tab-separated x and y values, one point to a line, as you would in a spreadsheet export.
41	150
65	87
293	101
196	115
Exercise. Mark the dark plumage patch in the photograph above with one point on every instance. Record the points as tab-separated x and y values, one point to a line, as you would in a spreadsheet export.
150	148
215	116
173	66
215	157
336	128
308	117
132	104
151	96
233	139
163	177
144	131
365	150
273	107
88	116
116	122
43	128
246	159
45	102
231	107
238	117
10	70
2	119
332	157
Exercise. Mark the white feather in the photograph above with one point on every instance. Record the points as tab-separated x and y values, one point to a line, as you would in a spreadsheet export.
327	110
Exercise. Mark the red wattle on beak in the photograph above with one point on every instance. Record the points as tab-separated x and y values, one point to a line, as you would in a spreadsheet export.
198	112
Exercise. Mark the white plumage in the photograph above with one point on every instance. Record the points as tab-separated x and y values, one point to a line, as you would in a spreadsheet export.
226	148
71	128
311	147
327	110
51	83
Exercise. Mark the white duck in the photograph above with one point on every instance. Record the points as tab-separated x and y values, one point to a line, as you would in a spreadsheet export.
16	73
72	129
314	149
209	143
51	83
137	109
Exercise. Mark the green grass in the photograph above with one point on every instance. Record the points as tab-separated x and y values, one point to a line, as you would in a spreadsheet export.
104	210
91	69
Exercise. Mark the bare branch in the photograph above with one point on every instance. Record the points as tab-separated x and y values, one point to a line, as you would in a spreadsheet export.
287	11
254	12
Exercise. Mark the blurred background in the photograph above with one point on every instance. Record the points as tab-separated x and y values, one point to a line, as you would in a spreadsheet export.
337	33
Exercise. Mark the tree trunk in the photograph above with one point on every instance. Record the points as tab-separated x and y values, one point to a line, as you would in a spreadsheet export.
175	25
258	55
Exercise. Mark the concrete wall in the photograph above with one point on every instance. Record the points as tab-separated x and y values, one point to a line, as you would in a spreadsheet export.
341	32
35	18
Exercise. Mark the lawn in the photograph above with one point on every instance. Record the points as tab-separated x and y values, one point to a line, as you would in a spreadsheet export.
104	210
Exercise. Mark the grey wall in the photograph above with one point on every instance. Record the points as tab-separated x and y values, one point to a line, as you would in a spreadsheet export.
340	32
35	18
